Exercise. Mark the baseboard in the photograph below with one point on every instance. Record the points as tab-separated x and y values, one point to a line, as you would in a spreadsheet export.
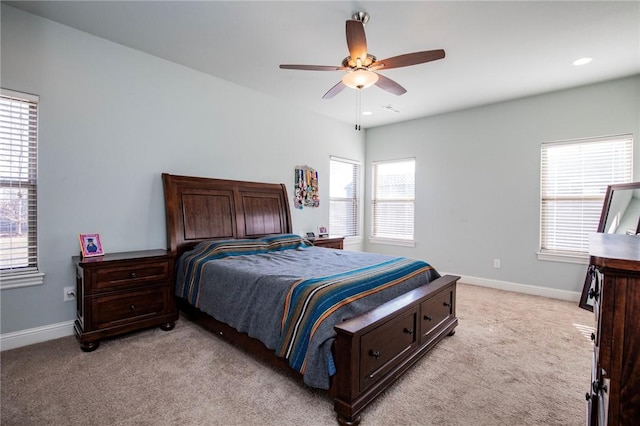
30	336
553	293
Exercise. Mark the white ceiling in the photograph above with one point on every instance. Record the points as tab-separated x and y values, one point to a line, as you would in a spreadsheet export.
494	50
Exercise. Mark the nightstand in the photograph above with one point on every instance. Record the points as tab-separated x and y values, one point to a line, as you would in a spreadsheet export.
123	292
329	242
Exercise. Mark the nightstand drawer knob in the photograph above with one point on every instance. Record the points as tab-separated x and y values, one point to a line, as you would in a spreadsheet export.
428	318
133	275
132	307
408	331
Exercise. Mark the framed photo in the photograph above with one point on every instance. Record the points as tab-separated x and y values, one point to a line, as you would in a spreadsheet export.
90	245
311	235
323	231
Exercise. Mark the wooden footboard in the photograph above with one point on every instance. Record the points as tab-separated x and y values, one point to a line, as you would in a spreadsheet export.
374	349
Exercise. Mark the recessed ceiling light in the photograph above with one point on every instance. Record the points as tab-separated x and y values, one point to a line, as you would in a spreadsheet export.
366	113
582	61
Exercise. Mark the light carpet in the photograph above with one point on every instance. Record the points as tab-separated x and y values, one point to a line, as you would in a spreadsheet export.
515	360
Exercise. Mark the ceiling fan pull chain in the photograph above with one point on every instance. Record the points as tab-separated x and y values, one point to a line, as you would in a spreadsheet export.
358	107
356	118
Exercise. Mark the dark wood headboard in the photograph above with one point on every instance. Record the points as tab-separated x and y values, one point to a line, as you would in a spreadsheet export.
200	209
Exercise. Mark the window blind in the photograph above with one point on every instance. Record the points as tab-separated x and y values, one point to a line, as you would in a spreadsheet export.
574	180
393	199
18	182
344	191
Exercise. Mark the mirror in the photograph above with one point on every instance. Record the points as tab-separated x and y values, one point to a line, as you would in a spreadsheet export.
620	215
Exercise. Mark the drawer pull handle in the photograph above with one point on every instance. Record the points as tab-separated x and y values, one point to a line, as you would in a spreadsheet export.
428	318
599	387
594	294
375	354
408	331
132	307
133	275
447	304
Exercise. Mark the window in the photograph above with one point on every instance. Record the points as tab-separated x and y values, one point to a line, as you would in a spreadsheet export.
344	205
574	180
18	189
393	201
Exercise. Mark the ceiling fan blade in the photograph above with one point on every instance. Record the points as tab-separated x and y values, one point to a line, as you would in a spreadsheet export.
312	67
356	40
409	59
390	85
334	90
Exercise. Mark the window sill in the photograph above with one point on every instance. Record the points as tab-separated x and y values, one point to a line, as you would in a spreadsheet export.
392	242
582	259
356	239
15	280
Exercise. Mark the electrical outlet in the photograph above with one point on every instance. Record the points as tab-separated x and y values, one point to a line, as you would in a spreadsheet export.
69	293
496	263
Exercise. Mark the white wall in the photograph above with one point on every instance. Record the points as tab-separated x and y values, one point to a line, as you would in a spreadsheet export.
112	119
478	178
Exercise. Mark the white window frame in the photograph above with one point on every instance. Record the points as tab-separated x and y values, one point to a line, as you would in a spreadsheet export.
376	237
26	272
353	201
578	163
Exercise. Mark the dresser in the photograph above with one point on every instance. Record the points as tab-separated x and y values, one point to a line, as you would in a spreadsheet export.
123	292
614	393
329	242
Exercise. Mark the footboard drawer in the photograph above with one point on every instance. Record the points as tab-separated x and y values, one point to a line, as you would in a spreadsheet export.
435	312
383	347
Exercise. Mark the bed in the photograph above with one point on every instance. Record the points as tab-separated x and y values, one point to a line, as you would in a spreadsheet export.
221	230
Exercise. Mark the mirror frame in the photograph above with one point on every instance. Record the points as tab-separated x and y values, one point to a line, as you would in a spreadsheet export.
584	297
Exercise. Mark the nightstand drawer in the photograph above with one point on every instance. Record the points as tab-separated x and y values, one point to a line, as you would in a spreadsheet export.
329	242
119	308
127	276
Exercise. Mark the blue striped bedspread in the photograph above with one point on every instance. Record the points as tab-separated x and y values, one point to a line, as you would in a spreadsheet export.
289	294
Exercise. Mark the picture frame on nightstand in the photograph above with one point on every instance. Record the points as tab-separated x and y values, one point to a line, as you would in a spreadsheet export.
90	245
323	231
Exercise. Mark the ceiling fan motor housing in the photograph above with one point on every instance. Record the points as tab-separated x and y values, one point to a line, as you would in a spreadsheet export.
351	63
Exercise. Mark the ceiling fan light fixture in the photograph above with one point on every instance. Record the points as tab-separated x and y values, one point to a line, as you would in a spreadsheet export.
360	79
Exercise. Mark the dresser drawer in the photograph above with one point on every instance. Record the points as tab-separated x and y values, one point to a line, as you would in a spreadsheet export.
119	308
381	349
435	311
127	276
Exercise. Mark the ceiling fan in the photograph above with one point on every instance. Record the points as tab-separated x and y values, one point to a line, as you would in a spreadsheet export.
362	66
